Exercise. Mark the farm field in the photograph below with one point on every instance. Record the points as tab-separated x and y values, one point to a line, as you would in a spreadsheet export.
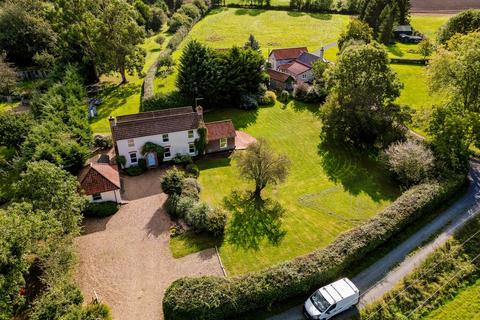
439	6
325	193
465	305
224	28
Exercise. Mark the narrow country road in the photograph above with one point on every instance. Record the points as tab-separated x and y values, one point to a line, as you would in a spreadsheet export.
379	278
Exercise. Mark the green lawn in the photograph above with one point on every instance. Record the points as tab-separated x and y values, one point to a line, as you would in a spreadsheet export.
124	99
325	193
466	305
272	2
224	28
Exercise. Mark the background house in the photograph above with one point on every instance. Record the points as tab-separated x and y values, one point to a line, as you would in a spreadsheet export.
280	80
100	182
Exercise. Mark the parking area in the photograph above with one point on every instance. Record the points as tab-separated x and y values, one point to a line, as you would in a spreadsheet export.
125	259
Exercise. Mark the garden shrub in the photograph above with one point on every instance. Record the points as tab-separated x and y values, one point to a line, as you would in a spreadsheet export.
192	170
268	98
284	96
160	39
121	160
190	10
411	161
248	102
191	188
172	182
103	142
177	38
182	159
216	221
101	209
219	298
184	206
179	20
134	171
171	205
142	163
197	216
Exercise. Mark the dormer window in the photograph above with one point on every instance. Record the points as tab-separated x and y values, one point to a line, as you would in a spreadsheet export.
165	137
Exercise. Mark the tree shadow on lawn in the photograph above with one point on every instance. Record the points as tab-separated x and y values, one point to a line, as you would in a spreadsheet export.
214	161
250	12
253	221
113	97
321	16
395	50
357	172
299	106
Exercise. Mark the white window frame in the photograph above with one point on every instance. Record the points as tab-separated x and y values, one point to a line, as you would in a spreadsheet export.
131	142
165	137
304	76
165	152
223	143
190	146
131	158
96	196
191	134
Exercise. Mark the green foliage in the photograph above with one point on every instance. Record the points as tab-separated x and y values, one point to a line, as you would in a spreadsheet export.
49	188
172	182
153	147
160	39
375	14
359	111
425	48
192	170
385	30
25	31
357	32
284	96
311	6
191	188
179	20
269	98
219	77
216	221
182	159
204	297
463	23
201	141
9	76
252	43
101	209
121	160
134	171
14	128
93	311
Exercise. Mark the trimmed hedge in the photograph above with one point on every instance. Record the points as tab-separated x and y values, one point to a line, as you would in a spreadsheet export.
101	209
219	298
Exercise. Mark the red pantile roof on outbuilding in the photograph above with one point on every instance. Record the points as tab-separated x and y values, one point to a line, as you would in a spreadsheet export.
99	177
220	129
288	53
279	76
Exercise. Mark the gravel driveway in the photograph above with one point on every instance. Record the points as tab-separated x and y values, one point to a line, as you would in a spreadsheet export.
126	258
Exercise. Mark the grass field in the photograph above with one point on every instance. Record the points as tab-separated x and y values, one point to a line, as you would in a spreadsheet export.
325	193
123	99
465	305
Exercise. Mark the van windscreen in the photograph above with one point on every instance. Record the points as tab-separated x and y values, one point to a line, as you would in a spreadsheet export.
319	301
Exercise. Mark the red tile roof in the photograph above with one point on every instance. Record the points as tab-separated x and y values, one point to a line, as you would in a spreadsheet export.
220	129
295	67
154	123
288	53
279	76
98	178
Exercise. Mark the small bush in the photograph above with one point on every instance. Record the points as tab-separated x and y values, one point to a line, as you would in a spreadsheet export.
171	205
179	20
192	170
284	96
134	171
184	206
142	163
216	221
411	162
182	159
248	102
172	182
160	39
101	209
201	5
121	160
103	142
268	98
190	10
197	217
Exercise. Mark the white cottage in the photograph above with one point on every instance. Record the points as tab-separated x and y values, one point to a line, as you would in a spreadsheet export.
174	129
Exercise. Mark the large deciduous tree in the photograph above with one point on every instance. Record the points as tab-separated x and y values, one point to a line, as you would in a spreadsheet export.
464	22
260	163
357	32
455	69
106	31
51	189
25	31
360	109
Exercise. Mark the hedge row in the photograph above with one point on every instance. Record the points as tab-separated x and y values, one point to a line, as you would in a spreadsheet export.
220	298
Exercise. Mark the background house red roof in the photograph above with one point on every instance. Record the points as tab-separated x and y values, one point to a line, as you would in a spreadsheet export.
295	67
98	178
220	129
288	53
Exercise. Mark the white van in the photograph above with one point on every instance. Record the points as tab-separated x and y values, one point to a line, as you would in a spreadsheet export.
332	299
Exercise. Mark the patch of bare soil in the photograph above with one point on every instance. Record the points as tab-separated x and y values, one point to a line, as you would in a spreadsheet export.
443	6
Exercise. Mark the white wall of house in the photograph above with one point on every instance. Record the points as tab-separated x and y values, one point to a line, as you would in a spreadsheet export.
306	76
178	142
108	196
